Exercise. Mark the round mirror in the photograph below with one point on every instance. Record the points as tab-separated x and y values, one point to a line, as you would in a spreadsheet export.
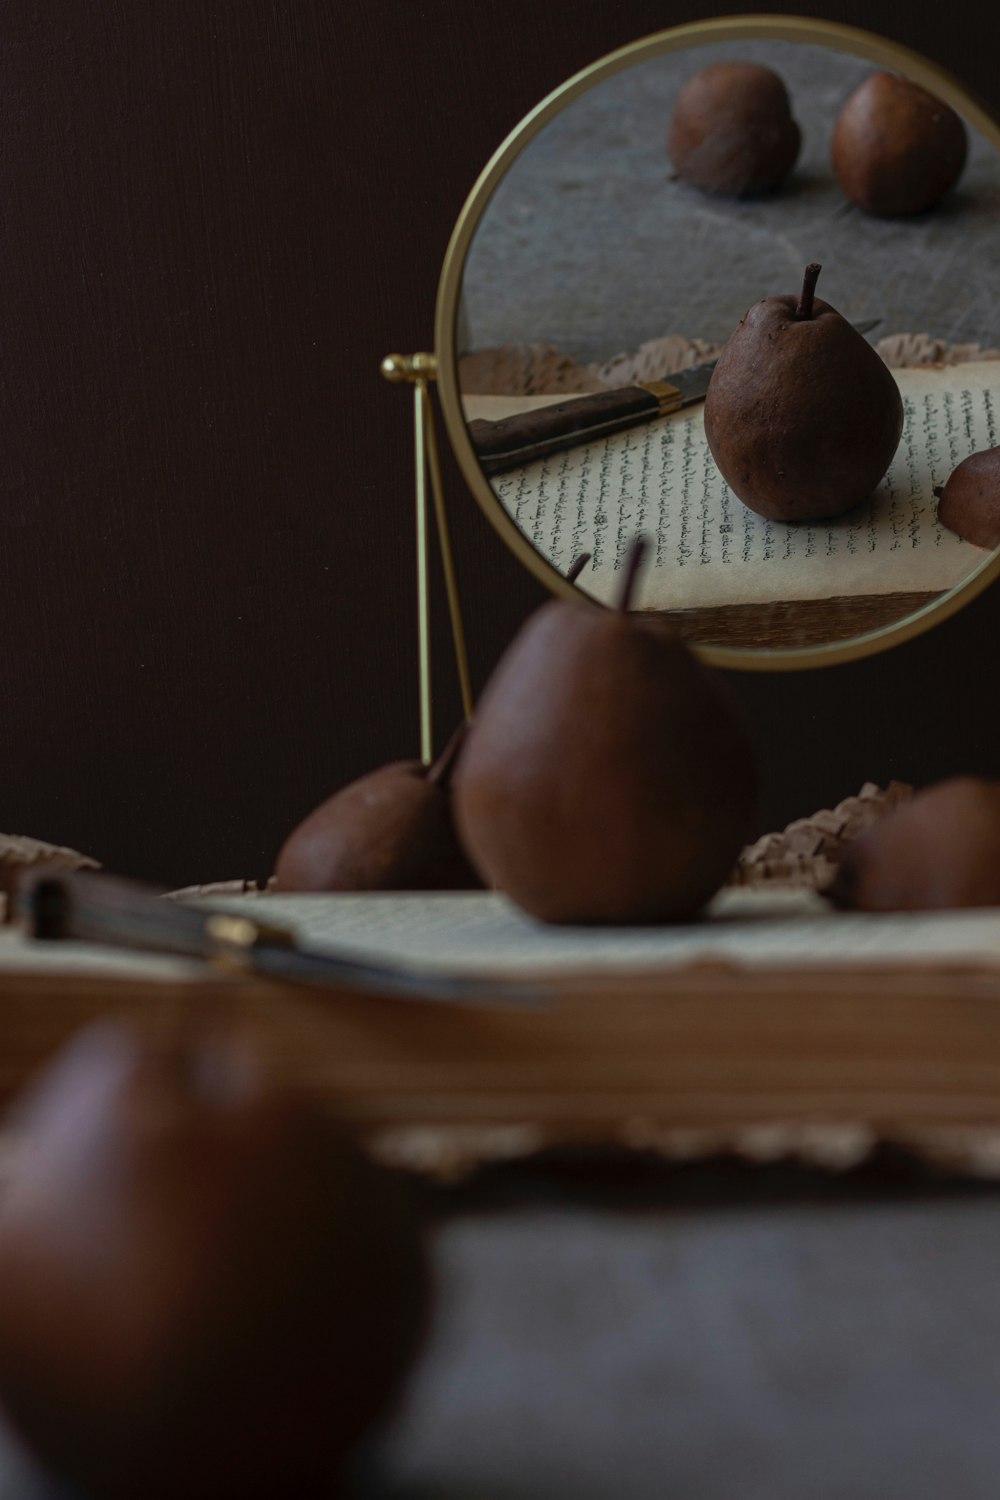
596	274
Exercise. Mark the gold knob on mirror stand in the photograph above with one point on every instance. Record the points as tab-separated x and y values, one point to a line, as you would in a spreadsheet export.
409	367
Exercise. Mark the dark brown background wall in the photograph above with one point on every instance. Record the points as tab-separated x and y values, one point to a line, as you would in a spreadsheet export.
215	218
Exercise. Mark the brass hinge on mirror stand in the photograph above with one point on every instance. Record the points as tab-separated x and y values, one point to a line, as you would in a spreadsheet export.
419	370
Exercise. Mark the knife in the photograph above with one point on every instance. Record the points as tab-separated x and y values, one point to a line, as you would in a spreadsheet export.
514	441
90	908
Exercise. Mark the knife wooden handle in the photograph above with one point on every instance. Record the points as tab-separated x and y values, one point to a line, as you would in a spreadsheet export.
533	434
65	906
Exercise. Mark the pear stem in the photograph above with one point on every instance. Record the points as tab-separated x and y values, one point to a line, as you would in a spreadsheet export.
804	311
439	774
577	566
633	562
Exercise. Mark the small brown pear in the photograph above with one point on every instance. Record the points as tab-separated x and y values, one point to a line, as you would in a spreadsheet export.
896	149
732	132
606	778
391	830
941	849
205	1290
802	416
969	503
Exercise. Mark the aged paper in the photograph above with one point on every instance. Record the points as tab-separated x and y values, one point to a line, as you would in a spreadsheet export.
483	934
709	549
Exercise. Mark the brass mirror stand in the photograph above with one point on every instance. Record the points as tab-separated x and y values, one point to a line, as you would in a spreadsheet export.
419	370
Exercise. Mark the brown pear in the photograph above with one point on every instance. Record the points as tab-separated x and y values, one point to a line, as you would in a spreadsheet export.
939	850
606	778
392	830
897	149
732	130
969	504
802	416
205	1291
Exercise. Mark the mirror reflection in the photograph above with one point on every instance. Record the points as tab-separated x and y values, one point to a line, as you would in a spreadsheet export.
606	275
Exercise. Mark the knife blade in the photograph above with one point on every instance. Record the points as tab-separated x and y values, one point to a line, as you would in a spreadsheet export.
514	441
105	909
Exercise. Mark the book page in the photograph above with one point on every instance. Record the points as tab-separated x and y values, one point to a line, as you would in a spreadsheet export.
708	548
483	934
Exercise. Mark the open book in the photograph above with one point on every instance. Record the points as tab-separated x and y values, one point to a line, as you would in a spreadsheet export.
775	1015
709	549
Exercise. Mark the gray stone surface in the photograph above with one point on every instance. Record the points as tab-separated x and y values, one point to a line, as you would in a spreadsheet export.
588	245
809	1352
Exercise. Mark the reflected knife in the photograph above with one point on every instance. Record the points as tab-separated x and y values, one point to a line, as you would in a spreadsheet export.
513	441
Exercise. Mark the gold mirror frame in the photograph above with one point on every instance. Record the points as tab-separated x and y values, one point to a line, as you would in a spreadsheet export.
848	39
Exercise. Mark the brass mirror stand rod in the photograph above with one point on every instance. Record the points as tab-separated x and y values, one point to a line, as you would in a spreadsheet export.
419	370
